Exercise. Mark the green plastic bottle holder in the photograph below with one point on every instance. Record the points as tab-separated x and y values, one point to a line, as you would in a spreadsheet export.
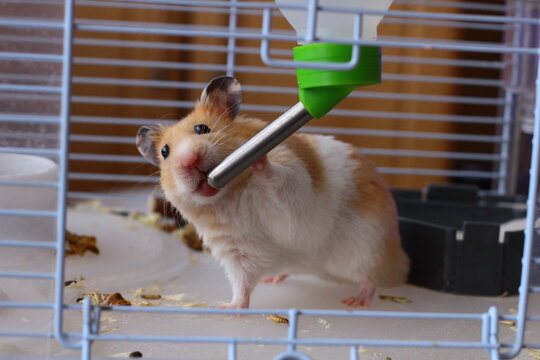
321	90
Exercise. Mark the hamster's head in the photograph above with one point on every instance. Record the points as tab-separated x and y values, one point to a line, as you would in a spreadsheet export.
188	150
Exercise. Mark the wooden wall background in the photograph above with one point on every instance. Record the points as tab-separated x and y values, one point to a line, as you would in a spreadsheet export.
84	106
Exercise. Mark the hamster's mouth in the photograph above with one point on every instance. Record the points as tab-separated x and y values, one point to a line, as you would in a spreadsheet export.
203	188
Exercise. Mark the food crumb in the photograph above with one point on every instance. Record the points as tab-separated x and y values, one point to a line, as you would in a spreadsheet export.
108	299
76	285
174	297
79	244
188	235
507	322
535	353
324	323
186	304
123	355
362	350
278	319
402	300
106	330
96	205
152	219
126	355
151	296
141	303
107	318
153	289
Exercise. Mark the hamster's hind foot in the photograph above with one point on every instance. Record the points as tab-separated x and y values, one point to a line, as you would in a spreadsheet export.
233	306
363	299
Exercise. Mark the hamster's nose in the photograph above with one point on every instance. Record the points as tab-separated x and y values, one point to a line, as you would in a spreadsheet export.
189	160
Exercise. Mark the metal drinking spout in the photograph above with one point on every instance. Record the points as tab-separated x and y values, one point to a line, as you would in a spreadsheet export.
259	145
319	92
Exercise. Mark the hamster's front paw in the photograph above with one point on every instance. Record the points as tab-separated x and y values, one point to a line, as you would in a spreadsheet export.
260	165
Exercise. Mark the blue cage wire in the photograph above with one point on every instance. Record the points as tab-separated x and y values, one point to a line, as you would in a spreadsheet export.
46	132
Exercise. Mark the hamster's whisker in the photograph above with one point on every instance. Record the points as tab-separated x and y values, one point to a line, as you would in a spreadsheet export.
220	118
225	129
223	135
227	111
139	184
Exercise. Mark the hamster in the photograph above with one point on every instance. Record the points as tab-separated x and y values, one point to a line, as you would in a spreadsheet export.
312	205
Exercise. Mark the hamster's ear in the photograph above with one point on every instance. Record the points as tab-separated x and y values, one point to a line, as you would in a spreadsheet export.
223	94
146	143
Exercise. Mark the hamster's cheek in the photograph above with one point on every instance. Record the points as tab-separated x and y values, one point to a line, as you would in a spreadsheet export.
186	182
211	156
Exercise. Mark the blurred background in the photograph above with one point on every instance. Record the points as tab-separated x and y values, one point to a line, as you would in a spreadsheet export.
437	116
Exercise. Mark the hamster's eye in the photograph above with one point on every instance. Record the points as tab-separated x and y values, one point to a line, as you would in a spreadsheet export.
165	151
201	129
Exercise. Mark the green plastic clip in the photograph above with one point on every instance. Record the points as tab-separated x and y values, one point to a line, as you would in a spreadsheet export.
321	90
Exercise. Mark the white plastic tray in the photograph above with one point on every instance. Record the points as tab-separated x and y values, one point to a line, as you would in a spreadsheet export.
134	255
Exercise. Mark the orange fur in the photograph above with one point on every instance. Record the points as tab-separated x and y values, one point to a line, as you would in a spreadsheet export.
304	147
373	199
